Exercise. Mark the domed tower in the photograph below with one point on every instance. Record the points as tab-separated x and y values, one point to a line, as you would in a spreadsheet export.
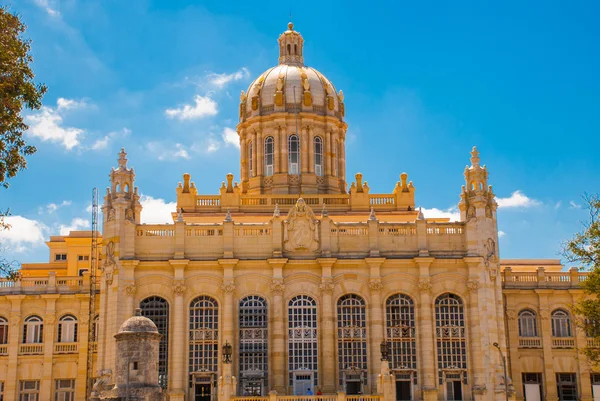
292	130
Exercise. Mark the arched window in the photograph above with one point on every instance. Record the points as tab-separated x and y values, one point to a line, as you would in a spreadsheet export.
561	324
67	329
254	339
250	173
269	156
204	334
3	330
289	49
352	341
157	309
302	343
336	161
318	156
528	323
33	330
451	341
400	331
294	154
295	50
95	329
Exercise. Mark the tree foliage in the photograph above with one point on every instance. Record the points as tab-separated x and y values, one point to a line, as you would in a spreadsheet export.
17	91
584	250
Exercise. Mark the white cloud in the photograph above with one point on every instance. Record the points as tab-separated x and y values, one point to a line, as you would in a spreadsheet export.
156	210
47	124
76	224
221	80
23	233
203	106
88	208
102	143
46	6
164	152
53	207
230	137
573	205
501	234
451	213
517	200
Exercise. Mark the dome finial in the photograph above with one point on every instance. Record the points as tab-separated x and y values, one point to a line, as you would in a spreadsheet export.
291	26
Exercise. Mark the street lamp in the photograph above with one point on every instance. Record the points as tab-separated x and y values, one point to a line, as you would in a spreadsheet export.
227	351
504	366
384	347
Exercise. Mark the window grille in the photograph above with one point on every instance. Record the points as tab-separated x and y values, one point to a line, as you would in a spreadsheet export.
302	336
400	331
294	154
253	354
67	329
567	386
352	336
450	335
157	309
29	390
3	330
204	335
318	156
269	155
33	330
528	324
561	324
64	390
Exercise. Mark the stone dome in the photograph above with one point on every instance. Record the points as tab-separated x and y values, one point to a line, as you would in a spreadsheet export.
138	324
291	86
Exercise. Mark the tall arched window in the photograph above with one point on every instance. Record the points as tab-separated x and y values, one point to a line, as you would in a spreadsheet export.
33	330
204	334
451	343
3	330
157	309
269	156
352	342
253	355
400	331
294	154
67	329
302	344
318	156
528	323
250	175
561	324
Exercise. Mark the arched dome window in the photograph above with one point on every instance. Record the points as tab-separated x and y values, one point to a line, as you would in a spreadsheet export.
250	159
318	156
528	324
33	330
294	154
269	156
561	324
67	329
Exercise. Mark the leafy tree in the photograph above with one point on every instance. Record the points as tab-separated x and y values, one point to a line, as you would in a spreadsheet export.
17	91
584	249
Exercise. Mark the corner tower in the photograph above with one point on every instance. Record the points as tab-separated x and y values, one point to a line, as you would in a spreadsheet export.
292	130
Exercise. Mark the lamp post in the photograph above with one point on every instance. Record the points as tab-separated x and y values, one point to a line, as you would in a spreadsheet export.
226	352
504	366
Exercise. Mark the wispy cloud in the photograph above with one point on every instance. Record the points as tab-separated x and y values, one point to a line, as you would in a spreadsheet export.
53	207
45	5
23	234
451	213
573	205
517	200
164	152
203	106
76	224
47	124
156	210
501	234
221	80
103	142
230	137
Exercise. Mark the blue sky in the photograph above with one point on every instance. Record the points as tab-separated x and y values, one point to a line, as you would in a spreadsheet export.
423	83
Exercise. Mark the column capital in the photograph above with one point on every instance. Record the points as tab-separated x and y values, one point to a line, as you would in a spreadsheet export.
278	262
375	262
424	285
228	262
179	262
228	287
473	260
424	261
375	285
326	262
326	286
130	263
473	285
130	288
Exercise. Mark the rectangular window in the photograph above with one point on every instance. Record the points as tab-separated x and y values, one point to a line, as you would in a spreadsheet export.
29	390
81	271
1	391
60	257
82	258
566	386
64	390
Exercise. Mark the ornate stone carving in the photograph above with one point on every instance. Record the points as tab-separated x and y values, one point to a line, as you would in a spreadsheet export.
545	314
228	287
50	319
424	285
301	229
326	286
375	285
110	215
488	212
130	289
277	286
473	285
178	288
110	263
129	215
490	248
511	314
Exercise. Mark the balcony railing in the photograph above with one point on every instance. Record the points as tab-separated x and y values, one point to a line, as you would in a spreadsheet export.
31	349
530	342
66	348
51	284
3	350
563	342
593	342
543	279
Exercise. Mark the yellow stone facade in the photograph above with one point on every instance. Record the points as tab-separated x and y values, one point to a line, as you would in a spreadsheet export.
303	276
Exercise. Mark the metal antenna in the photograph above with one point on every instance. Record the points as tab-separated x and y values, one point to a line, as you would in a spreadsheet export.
93	291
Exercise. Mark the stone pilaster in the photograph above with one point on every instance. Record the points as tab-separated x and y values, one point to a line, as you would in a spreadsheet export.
427	335
49	333
14	339
177	366
328	378
546	331
376	322
277	369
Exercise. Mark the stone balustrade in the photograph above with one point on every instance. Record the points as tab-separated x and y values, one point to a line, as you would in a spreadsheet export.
66	348
340	396
530	342
563	342
47	285
31	349
543	279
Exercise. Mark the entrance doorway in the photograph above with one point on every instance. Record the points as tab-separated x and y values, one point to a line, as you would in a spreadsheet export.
202	392
353	387
202	387
532	386
454	390
303	381
403	385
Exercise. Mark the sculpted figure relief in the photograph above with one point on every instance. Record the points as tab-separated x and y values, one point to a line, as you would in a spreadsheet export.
301	228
